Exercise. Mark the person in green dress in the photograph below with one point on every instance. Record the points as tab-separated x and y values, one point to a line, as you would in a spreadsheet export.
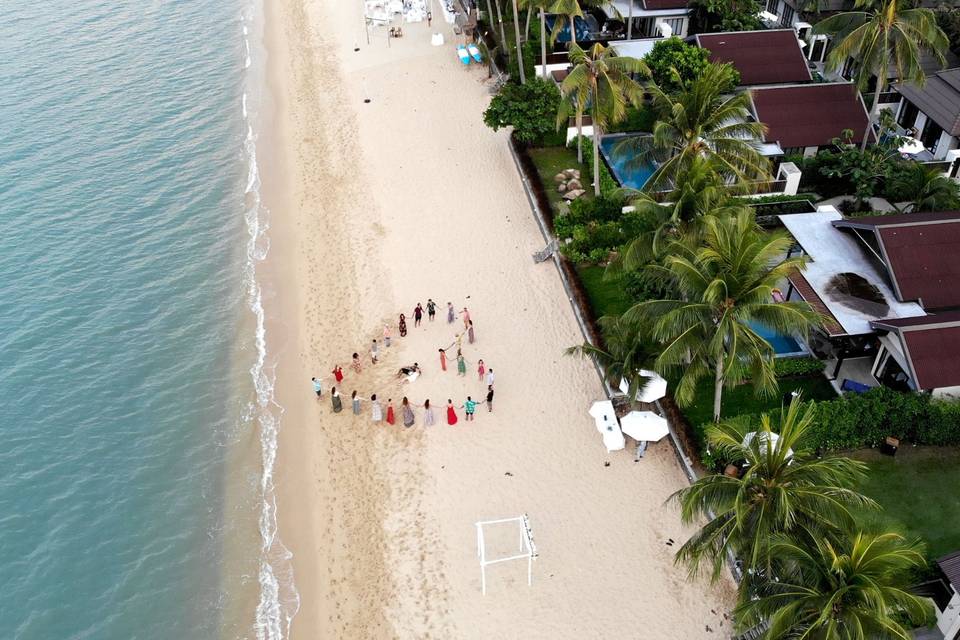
461	364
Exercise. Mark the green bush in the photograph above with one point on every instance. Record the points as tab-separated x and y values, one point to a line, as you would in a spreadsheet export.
797	367
608	184
638	119
674	64
531	110
595	227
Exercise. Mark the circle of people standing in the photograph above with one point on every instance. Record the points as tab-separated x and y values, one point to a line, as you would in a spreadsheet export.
380	412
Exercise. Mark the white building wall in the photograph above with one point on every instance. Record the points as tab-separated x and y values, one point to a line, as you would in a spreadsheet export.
946	143
948	620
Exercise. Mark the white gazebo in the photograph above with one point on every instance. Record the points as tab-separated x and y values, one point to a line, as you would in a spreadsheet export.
528	550
605	418
653	390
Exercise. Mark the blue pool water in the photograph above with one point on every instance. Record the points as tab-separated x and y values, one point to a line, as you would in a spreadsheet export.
782	344
622	162
127	334
584	27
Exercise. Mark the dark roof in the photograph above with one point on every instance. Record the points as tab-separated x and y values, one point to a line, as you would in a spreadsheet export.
939	98
830	324
932	345
761	57
920	251
810	115
929	63
655	5
950	565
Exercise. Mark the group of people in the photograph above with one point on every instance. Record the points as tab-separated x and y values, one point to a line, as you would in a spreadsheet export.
378	412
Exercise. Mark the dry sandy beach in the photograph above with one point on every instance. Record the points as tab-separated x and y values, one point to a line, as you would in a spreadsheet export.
376	207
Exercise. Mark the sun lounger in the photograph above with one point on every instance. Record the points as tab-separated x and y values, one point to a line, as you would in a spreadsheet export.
854	387
463	55
474	52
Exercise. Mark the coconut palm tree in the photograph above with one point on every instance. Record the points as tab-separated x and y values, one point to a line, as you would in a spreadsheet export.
724	288
851	587
925	189
625	351
503	33
542	6
784	488
697	191
602	81
880	34
702	120
571	9
519	43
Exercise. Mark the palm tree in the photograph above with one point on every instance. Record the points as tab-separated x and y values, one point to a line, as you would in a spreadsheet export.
541	6
925	189
881	34
784	489
571	9
602	81
625	351
516	29
725	286
503	34
853	587
697	191
701	120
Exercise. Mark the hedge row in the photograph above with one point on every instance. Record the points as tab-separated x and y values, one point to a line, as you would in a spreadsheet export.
858	420
797	367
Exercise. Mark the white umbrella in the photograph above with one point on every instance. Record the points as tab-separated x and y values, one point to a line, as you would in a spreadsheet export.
606	419
644	426
762	438
655	388
910	146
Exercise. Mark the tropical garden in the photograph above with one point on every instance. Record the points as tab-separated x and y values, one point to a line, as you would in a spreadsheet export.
681	279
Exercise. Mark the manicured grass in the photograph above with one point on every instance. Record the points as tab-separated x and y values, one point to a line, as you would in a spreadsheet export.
917	489
606	297
743	399
552	160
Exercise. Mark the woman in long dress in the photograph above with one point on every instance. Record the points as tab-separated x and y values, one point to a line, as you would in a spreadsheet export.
461	365
481	369
391	417
402	326
338	373
451	313
451	413
357	367
356	403
470	336
376	411
443	359
429	419
407	412
335	398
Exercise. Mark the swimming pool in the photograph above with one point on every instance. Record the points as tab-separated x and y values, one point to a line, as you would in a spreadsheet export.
585	26
621	159
783	345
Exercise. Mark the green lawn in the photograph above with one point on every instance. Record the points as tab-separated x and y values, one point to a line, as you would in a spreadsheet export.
552	160
744	400
918	492
606	297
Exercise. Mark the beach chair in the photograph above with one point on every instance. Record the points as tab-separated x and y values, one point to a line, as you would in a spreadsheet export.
463	55
474	52
854	387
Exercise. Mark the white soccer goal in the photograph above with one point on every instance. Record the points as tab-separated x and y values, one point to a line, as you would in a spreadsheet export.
527	549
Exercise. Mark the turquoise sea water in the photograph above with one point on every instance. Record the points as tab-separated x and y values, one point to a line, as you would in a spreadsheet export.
128	232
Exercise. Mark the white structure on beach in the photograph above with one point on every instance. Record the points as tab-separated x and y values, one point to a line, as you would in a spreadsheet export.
527	549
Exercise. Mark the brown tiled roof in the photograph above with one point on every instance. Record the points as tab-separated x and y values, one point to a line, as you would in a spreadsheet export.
806	291
654	5
930	320
810	115
761	57
950	565
932	347
920	251
559	75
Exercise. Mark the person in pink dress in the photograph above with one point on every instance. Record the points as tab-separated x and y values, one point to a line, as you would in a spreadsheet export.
466	318
481	369
443	359
451	413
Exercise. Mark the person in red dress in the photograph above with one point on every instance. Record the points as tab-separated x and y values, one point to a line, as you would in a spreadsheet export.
391	418
338	373
451	413
443	359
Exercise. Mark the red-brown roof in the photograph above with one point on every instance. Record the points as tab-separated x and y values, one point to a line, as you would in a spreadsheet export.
807	292
932	344
920	251
810	115
761	57
654	5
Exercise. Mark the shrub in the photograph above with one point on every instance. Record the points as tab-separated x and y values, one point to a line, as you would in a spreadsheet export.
674	64
797	367
608	184
724	15
531	110
594	228
638	119
850	207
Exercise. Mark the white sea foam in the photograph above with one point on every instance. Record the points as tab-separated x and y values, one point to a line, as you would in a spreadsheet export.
279	600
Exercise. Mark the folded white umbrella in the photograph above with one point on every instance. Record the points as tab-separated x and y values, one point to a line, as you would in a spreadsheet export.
644	426
655	388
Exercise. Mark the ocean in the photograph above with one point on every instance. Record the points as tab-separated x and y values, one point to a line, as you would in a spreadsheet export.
136	407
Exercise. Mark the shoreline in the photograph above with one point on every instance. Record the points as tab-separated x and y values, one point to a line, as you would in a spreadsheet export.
375	206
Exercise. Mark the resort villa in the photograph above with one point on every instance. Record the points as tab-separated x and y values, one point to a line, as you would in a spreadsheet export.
888	289
931	114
